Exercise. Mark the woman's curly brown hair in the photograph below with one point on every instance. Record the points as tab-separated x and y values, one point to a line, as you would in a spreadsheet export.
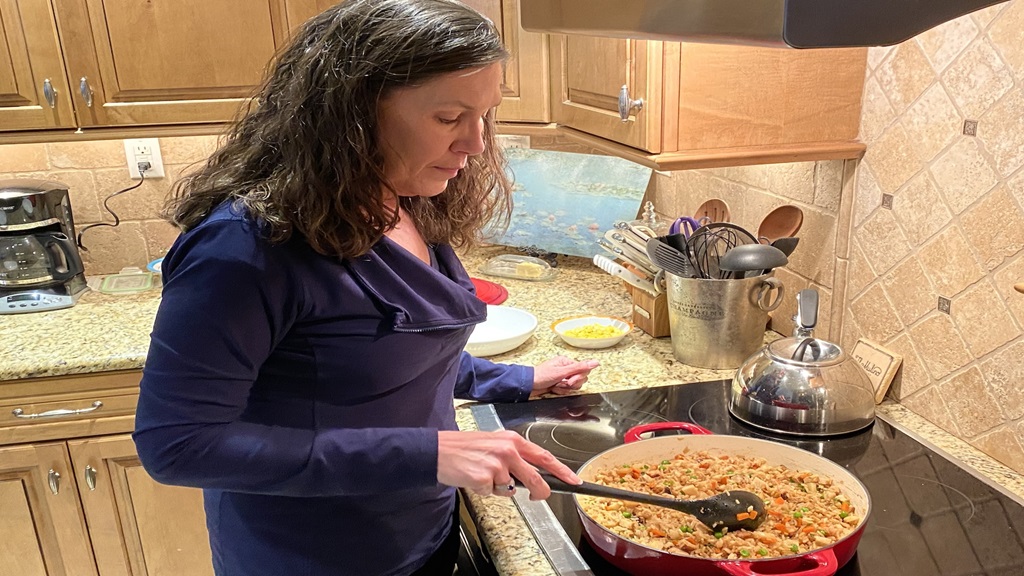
306	159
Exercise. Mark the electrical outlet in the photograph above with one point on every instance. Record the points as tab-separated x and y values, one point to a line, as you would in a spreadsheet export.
514	141
140	150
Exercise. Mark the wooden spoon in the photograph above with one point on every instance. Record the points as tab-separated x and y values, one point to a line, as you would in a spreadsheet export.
715	210
783	222
1019	287
717	512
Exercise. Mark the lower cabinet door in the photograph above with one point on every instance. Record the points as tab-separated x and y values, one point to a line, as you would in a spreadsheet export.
42	530
138	527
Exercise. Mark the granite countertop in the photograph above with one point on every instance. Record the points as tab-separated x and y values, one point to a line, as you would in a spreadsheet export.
111	332
100	333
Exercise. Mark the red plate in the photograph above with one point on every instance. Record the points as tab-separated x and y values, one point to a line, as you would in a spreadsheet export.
489	292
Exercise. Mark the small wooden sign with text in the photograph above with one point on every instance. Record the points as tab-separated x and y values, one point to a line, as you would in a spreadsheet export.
879	364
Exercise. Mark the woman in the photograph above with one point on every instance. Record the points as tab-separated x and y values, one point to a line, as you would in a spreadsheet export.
309	340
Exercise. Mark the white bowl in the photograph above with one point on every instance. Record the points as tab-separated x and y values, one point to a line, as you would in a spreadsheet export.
565	324
506	329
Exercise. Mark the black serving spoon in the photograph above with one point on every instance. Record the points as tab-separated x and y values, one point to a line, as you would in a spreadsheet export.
717	512
787	244
749	257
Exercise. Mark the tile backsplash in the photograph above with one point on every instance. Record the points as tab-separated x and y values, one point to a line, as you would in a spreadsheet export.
934	210
95	169
943	120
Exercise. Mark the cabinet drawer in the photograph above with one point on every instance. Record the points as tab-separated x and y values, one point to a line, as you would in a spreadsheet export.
42	409
77	416
87	406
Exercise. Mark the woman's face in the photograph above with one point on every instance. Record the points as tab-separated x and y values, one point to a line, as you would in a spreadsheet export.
428	132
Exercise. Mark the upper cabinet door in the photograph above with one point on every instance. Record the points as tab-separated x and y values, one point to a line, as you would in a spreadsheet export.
590	74
138	62
707	105
524	89
33	88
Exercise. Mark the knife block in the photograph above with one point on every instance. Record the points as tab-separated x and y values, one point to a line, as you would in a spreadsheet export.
649	313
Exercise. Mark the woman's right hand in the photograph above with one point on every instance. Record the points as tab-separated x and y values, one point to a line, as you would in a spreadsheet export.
487	462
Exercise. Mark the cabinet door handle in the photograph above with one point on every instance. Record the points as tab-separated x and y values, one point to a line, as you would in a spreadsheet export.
90	477
50	93
627	105
54	480
86	90
19	413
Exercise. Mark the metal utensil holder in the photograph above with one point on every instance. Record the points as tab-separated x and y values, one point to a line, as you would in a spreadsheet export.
719	323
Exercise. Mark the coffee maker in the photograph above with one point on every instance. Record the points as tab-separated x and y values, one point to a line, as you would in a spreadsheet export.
40	267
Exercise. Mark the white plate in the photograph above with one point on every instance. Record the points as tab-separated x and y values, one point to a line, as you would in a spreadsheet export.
506	329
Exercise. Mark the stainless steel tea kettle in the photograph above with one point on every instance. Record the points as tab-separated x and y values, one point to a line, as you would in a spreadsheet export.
803	385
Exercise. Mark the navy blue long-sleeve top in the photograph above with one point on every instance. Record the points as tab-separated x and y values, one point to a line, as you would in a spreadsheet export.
304	394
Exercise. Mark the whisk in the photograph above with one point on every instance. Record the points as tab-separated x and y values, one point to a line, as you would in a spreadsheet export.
709	243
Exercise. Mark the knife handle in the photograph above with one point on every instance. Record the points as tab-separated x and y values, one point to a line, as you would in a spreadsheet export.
606	264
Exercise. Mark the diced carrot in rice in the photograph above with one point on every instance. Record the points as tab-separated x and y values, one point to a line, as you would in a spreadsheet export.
797	516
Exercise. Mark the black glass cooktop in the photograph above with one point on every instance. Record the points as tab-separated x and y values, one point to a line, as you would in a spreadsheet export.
930	517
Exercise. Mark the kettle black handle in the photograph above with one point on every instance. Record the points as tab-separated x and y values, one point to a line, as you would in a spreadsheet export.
74	261
801	349
807	310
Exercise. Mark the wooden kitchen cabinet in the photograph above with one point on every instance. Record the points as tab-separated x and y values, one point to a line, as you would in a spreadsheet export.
134	62
590	73
110	63
137	526
42	527
707	105
31	67
525	86
131	63
97	513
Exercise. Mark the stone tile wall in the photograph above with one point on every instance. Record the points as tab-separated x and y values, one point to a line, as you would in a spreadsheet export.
943	117
93	170
944	122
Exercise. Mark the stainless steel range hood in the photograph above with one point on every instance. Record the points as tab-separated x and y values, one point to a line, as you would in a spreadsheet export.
795	23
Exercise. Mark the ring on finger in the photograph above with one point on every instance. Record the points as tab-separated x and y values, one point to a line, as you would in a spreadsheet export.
504	488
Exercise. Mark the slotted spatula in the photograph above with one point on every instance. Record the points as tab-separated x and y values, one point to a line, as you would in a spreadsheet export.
669	259
715	210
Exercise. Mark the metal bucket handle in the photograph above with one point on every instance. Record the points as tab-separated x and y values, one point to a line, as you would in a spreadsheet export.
768	285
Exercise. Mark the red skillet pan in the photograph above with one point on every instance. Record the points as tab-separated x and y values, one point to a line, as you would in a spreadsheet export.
642	560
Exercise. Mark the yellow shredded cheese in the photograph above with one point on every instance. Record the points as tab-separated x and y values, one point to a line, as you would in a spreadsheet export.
594	331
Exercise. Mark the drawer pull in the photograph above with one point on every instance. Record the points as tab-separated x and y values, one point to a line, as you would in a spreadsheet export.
19	413
90	477
54	479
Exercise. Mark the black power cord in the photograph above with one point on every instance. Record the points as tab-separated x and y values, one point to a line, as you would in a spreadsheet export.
143	167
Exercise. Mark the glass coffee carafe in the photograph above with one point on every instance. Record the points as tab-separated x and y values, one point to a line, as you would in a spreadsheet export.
37	259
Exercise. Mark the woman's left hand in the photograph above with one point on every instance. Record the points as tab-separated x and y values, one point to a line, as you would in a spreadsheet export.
561	375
